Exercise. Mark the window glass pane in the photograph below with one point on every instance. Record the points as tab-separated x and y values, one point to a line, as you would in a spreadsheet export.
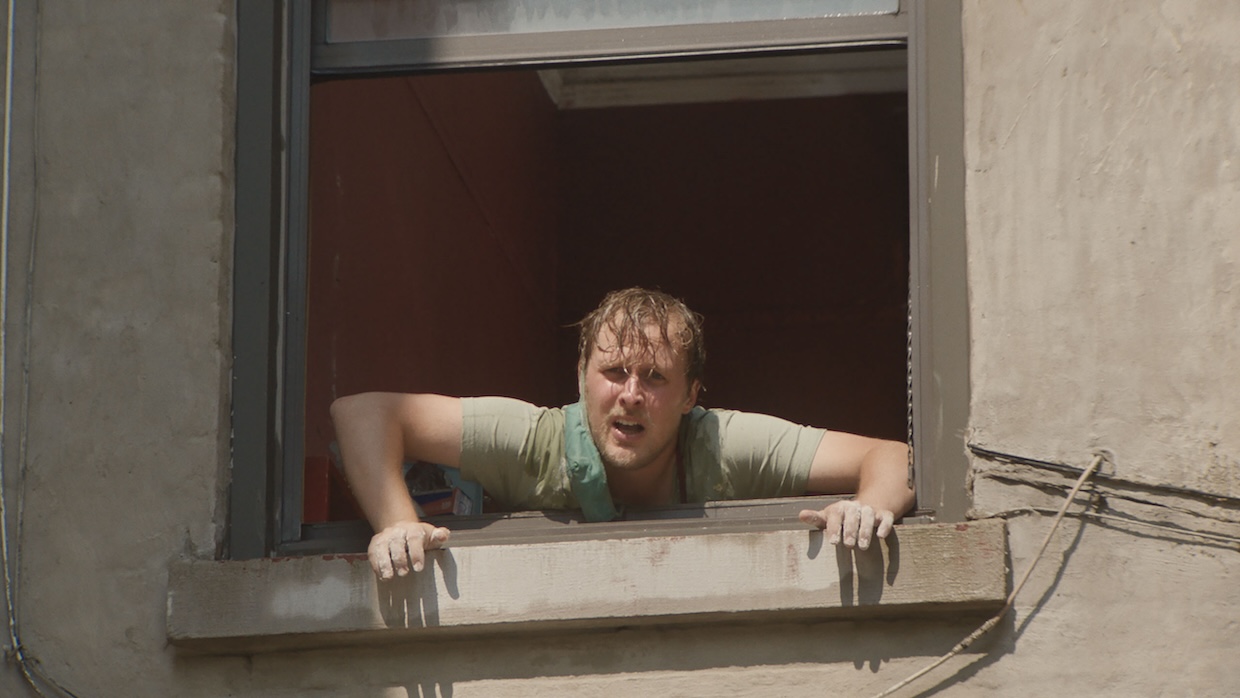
377	20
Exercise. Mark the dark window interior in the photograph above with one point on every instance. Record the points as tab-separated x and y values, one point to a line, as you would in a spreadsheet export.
461	222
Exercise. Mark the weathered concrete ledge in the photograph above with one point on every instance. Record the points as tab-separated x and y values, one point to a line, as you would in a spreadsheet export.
266	605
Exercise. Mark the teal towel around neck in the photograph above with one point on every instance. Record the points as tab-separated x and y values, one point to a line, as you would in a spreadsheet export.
586	475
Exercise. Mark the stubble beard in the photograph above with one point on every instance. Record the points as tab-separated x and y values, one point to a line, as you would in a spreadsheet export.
613	456
622	458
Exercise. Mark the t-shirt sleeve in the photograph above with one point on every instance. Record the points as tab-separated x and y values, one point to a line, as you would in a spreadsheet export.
515	451
765	456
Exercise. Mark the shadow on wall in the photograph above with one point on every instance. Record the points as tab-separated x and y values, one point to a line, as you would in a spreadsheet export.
413	601
593	657
599	655
1001	641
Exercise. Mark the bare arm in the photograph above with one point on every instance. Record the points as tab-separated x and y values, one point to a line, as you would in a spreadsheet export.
377	432
877	470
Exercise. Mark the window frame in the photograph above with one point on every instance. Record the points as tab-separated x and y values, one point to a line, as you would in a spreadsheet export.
278	43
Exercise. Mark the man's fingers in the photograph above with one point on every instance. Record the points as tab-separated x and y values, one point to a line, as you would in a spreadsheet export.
397	550
865	528
380	558
394	551
400	549
886	523
835	519
437	538
850	523
852	520
809	517
387	553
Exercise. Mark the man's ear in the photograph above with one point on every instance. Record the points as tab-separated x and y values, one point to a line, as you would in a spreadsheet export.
693	395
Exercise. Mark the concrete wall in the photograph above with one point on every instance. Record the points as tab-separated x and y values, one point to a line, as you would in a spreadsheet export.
1102	217
128	109
1102	146
1104	235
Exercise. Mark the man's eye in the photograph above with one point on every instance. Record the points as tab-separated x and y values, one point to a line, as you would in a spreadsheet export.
656	377
616	373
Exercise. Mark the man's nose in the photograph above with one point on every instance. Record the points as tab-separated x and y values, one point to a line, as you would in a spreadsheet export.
632	391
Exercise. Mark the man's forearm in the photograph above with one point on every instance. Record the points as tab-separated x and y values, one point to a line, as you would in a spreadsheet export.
370	434
884	479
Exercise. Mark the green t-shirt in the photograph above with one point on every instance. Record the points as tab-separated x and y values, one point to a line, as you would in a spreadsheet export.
515	450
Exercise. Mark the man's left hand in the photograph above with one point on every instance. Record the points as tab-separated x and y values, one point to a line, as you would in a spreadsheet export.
850	522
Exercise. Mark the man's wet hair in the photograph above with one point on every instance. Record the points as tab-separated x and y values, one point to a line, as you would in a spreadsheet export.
628	312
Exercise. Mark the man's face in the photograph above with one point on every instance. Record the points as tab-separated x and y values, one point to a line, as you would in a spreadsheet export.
634	401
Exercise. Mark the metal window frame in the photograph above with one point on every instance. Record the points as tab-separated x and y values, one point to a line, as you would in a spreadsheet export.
256	252
585	46
937	257
280	45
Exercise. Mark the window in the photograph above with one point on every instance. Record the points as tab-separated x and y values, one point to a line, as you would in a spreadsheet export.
277	337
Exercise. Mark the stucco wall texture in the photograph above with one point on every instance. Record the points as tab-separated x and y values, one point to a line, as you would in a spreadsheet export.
1102	146
1103	200
1102	203
129	109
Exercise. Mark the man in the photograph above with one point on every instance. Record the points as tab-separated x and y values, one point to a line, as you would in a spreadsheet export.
636	438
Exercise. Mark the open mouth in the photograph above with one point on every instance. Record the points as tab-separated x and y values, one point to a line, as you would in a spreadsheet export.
627	427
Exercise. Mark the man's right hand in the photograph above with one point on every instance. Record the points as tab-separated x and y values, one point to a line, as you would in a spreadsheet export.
377	433
402	547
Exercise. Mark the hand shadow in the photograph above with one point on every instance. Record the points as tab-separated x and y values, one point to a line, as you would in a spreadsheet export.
863	576
864	573
412	601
